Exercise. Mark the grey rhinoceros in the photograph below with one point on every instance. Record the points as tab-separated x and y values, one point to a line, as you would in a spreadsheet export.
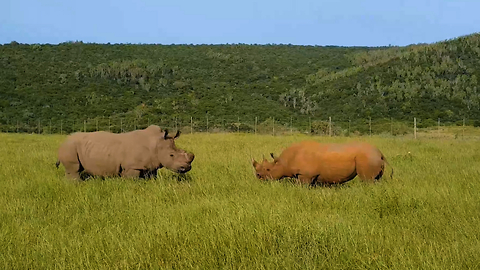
138	153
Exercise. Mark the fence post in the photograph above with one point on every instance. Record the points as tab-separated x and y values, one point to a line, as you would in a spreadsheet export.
17	126
349	127
310	125
255	125
108	124
148	121
370	125
415	127
73	126
207	123
39	122
176	124
391	125
463	128
291	123
273	124
121	125
50	127
191	125
330	126
438	125
238	126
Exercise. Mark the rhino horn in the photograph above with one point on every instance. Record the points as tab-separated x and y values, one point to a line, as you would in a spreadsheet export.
177	134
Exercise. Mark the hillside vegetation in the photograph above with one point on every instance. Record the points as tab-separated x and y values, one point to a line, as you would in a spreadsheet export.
74	81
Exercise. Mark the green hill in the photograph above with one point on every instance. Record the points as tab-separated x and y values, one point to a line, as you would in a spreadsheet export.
424	81
74	81
80	81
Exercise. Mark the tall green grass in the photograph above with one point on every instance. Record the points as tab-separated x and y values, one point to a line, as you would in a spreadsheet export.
221	216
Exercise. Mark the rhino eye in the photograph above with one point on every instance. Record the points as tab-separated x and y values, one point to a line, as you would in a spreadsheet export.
268	170
171	155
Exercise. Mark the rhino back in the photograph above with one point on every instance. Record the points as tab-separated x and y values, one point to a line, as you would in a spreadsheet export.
139	149
331	161
99	153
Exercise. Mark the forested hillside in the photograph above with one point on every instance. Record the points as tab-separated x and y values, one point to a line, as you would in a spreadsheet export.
77	81
426	81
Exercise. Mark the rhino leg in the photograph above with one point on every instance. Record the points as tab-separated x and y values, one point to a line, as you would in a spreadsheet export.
130	173
148	174
73	168
370	169
305	178
73	176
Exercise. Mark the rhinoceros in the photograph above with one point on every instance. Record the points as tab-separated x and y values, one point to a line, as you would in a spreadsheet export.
137	154
324	163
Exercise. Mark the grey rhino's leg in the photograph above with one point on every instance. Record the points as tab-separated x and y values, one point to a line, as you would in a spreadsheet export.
72	170
74	176
130	173
146	174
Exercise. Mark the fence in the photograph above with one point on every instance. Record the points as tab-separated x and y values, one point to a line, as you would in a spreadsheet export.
327	127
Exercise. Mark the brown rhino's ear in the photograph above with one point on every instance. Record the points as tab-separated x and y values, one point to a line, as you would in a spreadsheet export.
275	159
165	134
177	134
254	163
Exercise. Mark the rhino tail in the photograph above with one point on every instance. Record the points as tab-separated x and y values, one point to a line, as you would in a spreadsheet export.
386	162
57	163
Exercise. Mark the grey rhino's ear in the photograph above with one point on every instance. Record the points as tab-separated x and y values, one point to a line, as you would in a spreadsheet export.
177	134
165	134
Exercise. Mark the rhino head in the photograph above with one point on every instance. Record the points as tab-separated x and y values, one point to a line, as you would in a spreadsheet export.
266	170
171	157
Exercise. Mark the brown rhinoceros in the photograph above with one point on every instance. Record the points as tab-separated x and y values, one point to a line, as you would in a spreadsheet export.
326	163
138	153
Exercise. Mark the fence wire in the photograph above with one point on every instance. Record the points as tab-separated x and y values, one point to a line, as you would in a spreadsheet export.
331	126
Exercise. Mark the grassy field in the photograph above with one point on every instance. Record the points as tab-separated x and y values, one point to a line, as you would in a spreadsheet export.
221	216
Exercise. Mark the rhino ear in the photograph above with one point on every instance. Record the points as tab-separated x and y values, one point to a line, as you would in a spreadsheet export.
177	134
165	134
274	158
254	163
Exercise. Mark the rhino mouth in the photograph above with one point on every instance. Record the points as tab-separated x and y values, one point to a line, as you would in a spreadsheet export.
184	169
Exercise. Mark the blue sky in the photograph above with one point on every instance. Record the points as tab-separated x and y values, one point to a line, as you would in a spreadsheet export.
299	22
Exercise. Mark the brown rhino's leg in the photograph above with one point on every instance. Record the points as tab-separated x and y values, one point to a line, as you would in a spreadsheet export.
369	169
305	179
131	173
